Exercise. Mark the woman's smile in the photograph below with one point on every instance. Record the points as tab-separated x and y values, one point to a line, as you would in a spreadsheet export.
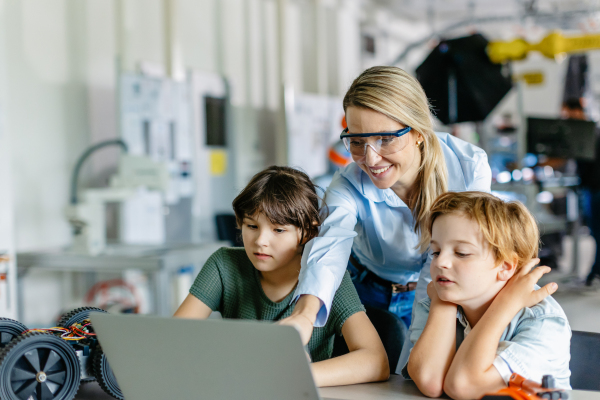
379	171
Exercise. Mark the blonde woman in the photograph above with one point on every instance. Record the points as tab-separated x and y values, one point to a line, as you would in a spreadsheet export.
378	204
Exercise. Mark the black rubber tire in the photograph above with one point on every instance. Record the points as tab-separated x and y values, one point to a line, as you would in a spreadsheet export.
104	374
9	329
77	315
31	353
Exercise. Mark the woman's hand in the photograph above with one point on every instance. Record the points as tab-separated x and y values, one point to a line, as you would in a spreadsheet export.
302	324
519	291
304	315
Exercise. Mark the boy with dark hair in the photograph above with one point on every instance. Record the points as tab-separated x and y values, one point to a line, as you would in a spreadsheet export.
278	212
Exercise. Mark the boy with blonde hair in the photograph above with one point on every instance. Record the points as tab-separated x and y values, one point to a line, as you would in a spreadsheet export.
484	318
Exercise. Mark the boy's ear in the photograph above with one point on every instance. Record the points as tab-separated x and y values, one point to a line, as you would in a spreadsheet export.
507	269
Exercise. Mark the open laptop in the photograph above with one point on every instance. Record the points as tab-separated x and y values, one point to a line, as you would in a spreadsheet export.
169	358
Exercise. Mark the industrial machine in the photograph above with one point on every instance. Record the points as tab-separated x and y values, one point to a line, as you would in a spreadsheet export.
141	182
551	46
50	364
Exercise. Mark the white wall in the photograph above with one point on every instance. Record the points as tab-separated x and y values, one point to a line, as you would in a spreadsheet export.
7	241
46	114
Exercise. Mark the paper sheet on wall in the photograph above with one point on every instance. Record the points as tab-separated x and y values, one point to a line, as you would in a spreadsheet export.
143	219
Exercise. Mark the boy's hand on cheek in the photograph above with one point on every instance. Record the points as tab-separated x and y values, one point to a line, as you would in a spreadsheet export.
519	291
432	293
435	298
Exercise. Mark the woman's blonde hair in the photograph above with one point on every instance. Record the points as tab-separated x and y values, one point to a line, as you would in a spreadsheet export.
397	95
508	227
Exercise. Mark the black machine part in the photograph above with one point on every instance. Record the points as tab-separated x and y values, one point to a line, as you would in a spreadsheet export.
104	374
77	316
40	366
461	82
9	329
548	382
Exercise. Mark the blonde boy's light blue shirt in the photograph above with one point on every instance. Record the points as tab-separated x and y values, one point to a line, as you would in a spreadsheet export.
536	342
378	227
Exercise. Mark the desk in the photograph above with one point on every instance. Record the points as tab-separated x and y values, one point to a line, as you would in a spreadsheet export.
159	262
395	388
398	388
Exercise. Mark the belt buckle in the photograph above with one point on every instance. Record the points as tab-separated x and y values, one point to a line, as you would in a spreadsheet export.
398	288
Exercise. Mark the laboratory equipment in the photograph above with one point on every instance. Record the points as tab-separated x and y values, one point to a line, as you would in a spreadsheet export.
561	138
143	222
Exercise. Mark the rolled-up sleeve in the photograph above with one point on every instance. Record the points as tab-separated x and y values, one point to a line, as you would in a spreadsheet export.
325	257
540	346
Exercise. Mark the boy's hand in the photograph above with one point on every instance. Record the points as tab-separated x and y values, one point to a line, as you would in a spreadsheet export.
432	293
519	290
435	298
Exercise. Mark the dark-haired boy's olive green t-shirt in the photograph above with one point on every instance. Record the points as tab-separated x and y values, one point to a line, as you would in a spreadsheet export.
230	284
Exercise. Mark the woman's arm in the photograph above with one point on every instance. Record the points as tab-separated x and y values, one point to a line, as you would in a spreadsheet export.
193	308
325	259
472	373
366	362
432	355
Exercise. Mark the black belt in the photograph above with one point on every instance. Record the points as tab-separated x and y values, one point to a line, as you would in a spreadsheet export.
396	287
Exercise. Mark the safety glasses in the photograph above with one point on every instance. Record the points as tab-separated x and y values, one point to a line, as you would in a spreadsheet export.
383	143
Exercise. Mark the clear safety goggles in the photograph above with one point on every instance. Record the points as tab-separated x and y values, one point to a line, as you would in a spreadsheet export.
383	143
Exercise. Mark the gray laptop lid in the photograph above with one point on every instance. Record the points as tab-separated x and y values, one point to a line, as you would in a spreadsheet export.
170	358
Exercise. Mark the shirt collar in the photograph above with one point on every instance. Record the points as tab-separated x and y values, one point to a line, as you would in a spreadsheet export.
460	315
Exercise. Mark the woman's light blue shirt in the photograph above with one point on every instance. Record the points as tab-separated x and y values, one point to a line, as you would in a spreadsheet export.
378	227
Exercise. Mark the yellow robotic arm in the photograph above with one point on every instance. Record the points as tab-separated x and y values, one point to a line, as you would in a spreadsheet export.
550	46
